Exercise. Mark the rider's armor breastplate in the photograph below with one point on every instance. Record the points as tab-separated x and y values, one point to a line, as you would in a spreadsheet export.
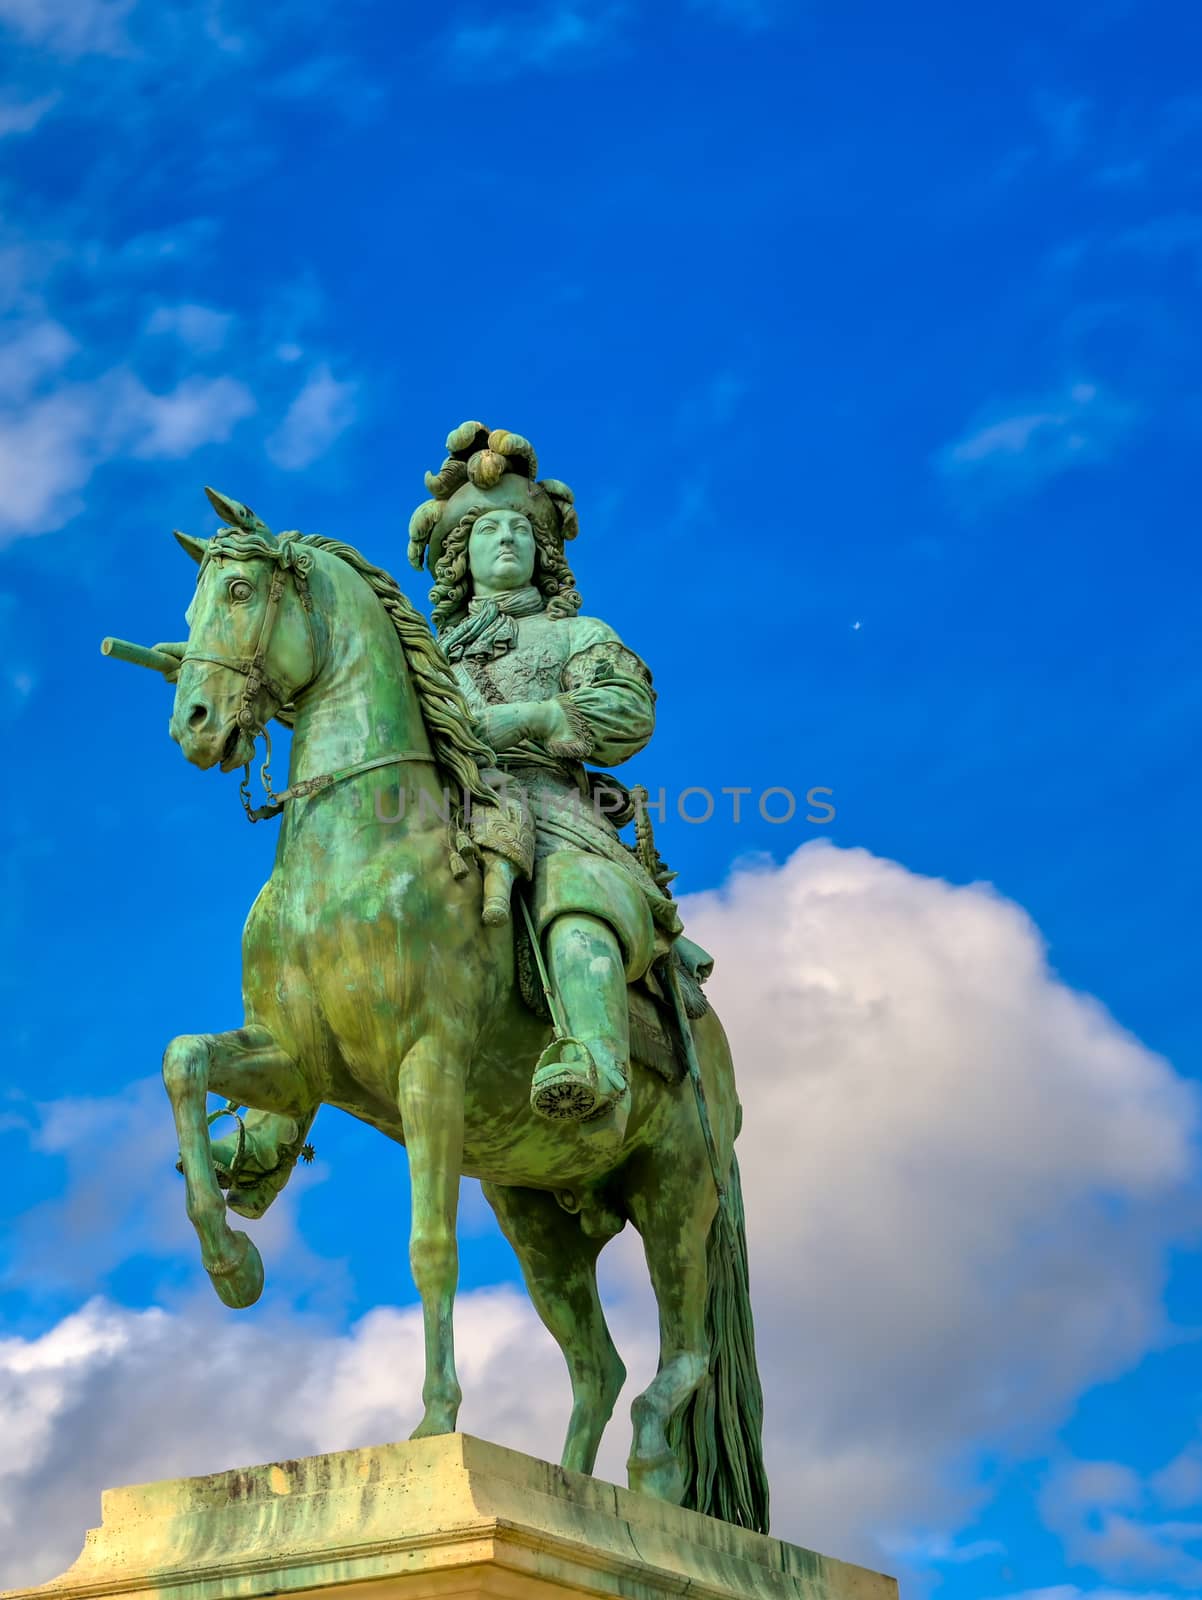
606	690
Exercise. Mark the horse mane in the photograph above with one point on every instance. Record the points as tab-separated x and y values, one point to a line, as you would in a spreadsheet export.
457	750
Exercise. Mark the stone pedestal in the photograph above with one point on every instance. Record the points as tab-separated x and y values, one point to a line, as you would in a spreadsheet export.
448	1516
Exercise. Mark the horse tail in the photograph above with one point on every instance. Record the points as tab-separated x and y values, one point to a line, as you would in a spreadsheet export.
717	1436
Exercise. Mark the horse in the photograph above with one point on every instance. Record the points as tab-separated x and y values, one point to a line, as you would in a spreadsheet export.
370	983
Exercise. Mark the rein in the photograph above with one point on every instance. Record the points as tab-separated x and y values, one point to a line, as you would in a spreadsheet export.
287	559
309	786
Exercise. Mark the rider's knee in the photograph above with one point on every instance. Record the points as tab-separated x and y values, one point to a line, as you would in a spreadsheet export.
570	881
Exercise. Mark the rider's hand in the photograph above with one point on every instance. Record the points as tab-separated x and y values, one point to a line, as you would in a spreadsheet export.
504	726
175	650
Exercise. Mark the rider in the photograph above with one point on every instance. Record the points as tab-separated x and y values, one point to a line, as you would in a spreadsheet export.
550	690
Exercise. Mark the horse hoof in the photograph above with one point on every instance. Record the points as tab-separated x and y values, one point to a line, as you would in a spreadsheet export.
658	1476
239	1282
435	1423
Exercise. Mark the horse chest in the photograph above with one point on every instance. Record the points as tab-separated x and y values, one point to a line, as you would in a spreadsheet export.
355	961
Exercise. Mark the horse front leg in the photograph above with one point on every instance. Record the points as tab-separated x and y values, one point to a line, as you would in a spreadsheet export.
430	1098
247	1065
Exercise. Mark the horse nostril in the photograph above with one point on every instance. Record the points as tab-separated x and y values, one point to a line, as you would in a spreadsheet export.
198	716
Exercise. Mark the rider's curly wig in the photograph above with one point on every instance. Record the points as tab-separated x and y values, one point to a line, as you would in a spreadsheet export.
452	589
478	460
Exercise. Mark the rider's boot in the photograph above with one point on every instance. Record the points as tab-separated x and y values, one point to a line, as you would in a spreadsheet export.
499	877
587	972
504	836
254	1169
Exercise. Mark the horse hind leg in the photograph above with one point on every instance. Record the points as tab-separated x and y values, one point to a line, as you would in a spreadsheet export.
672	1203
248	1066
559	1263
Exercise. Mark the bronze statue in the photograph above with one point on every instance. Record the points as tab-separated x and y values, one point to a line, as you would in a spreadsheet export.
451	909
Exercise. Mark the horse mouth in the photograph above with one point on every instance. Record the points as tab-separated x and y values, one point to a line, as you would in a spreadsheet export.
237	749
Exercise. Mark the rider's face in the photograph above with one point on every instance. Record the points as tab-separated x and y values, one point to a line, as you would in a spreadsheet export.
500	552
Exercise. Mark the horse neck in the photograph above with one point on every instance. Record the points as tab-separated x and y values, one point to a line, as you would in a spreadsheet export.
362	704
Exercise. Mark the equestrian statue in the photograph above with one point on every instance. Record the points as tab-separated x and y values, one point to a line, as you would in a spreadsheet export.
457	946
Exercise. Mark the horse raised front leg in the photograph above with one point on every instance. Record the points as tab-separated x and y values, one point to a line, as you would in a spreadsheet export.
430	1098
247	1065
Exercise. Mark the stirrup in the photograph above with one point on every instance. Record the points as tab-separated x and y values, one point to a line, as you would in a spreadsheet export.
570	1091
564	1091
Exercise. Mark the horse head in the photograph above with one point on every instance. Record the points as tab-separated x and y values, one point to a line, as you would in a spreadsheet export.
252	645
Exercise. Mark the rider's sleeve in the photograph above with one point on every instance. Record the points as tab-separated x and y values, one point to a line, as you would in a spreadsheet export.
607	694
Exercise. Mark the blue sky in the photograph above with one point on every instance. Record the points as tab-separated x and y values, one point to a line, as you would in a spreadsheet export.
868	339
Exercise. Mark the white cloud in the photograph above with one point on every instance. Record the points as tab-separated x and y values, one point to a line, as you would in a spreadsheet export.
52	443
47	452
63	415
938	1549
185	241
70	27
1124	1527
195	412
1179	1484
21	116
956	1170
324	409
1071	1591
33	351
1014	450
961	1180
200	328
556	35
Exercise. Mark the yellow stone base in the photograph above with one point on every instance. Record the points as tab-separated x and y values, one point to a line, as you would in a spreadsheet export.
448	1516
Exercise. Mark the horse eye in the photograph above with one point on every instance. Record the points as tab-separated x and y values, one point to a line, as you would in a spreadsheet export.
241	590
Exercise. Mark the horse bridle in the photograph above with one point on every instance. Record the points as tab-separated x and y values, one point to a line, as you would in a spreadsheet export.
287	559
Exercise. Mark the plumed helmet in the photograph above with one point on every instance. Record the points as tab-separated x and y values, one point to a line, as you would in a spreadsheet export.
484	469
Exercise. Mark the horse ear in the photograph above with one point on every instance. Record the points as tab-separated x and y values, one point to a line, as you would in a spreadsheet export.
235	514
195	547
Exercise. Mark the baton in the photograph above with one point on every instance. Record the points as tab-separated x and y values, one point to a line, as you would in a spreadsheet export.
139	655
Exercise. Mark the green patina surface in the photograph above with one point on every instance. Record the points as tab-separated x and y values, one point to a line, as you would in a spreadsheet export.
440	794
